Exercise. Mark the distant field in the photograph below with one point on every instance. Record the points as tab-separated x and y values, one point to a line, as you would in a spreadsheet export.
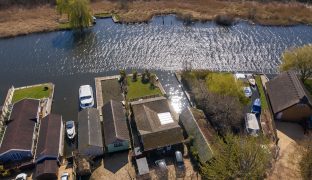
36	92
18	20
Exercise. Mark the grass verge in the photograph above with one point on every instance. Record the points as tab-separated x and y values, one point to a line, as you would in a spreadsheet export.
36	92
263	99
63	26
103	15
138	89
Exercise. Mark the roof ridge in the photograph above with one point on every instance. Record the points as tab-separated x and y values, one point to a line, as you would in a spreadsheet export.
296	84
148	111
20	124
113	114
89	130
48	130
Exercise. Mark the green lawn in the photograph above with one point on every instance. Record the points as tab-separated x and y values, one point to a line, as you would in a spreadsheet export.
263	99
225	84
36	92
308	85
137	89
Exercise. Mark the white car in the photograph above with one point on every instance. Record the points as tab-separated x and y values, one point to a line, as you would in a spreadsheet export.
247	91
21	176
70	129
65	176
86	97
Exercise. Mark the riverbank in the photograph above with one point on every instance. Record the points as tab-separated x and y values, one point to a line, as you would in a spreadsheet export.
19	21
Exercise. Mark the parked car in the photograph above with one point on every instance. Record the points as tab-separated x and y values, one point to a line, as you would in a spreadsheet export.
247	91
161	164
86	96
179	160
70	129
21	176
252	125
65	176
256	106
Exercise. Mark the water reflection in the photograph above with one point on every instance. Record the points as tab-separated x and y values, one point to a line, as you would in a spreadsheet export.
173	89
165	44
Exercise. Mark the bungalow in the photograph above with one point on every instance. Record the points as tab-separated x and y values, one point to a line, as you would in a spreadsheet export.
156	124
19	136
49	147
288	97
116	133
90	141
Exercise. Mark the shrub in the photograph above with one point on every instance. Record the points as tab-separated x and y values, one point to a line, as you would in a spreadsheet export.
134	76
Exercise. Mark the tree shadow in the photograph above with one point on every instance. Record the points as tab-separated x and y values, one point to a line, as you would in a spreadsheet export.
116	161
73	38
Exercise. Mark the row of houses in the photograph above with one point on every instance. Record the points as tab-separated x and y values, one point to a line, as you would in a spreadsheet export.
157	127
32	140
91	141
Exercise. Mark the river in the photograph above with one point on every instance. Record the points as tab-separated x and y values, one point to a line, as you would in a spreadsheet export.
163	45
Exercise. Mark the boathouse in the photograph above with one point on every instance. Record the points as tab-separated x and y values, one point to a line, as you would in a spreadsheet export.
50	147
90	141
116	133
19	136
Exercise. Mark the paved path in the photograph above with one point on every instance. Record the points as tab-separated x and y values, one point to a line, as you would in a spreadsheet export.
286	166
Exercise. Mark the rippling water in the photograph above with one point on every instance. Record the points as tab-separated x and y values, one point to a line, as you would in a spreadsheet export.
166	43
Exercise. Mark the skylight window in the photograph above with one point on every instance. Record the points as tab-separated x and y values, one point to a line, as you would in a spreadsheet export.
165	118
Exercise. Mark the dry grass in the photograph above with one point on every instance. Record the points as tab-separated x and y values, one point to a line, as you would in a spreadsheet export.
16	21
264	13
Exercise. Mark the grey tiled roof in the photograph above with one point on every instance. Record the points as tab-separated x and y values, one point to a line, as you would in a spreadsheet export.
89	129
20	129
49	136
152	133
114	122
46	169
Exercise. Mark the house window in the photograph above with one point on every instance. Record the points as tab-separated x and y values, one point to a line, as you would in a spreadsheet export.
117	144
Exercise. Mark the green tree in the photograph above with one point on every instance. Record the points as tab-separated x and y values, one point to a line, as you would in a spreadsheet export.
146	76
123	75
238	157
153	81
134	75
62	6
300	60
78	12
